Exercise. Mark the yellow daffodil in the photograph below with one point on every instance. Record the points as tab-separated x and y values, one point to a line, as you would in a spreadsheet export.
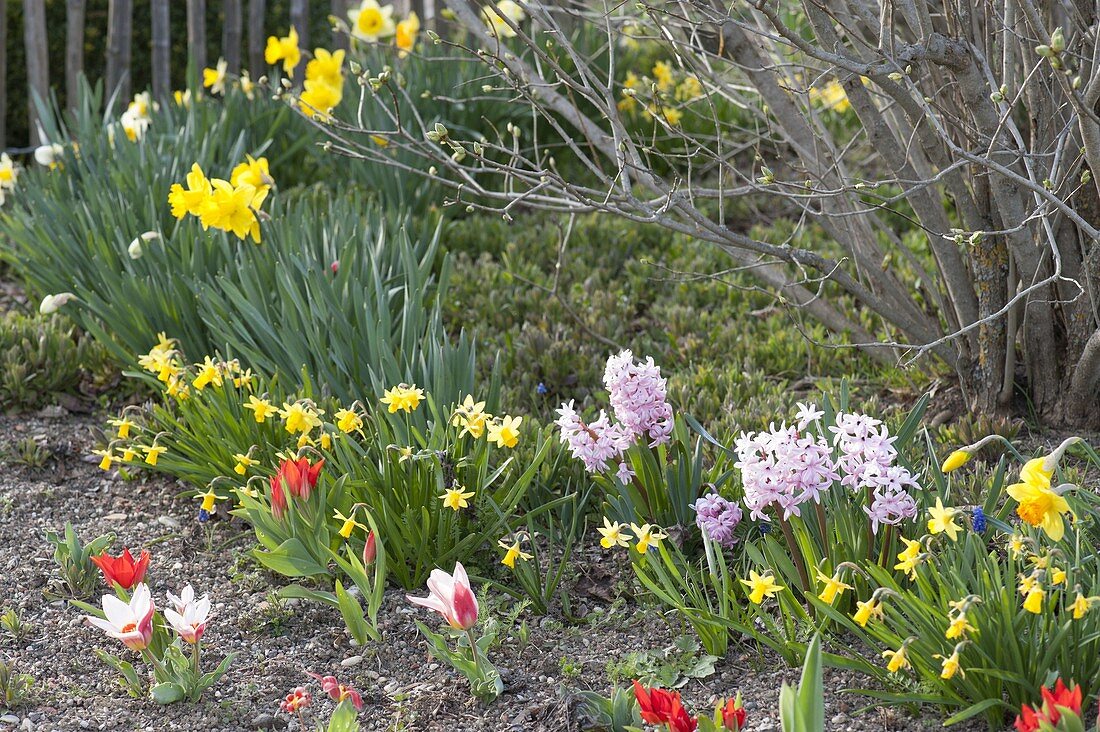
831	97
613	535
192	200
950	665
647	536
248	87
1033	603
1082	605
284	49
233	209
182	98
455	499
405	34
326	66
1039	505
512	552
8	172
348	523
955	460
402	397
318	99
404	453
896	660
300	418
124	425
347	420
662	74
208	500
942	521
214	79
1016	545
506	432
1057	576
689	89
129	454
209	373
867	609
177	387
253	171
471	417
261	408
832	587
761	587
107	458
243	463
959	627
1026	583
153	453
370	21
910	559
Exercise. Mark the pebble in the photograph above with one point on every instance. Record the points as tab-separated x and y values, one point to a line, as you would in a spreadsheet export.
10	719
268	721
351	661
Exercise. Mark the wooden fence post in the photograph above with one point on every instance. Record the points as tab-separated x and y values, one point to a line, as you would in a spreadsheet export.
231	36
196	35
340	10
162	49
120	17
256	38
299	18
3	73
74	50
38	70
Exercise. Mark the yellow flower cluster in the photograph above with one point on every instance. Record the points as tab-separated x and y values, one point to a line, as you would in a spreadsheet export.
403	398
228	205
614	535
216	80
284	49
324	85
371	22
669	89
473	420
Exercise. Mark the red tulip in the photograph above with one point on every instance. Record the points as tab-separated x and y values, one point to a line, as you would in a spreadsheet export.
660	706
123	570
733	715
299	477
1029	719
335	266
370	549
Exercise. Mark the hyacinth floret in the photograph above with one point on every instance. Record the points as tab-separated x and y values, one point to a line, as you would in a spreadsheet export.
639	397
717	518
597	444
785	467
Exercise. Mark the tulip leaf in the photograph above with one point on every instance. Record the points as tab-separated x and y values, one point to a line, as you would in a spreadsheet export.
290	559
167	693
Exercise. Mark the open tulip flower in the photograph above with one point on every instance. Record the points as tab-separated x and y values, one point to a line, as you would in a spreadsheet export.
451	597
299	478
123	570
131	623
189	616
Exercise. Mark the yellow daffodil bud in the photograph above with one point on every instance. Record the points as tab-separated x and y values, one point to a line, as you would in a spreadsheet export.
955	461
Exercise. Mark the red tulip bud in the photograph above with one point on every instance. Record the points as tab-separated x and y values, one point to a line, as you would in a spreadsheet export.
370	550
335	266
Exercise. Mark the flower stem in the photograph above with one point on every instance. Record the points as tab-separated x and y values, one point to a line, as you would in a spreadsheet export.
195	658
158	668
473	650
821	526
796	554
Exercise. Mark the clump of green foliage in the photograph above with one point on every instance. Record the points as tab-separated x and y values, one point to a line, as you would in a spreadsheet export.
42	357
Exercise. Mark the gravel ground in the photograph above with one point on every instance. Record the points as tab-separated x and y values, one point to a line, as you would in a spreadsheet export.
277	642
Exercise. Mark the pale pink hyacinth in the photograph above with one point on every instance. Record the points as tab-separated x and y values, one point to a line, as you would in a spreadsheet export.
599	444
188	616
785	468
638	396
132	622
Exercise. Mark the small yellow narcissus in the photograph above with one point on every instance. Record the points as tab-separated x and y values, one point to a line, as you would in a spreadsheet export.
867	609
348	421
348	523
299	417
284	49
959	627
761	587
455	499
123	424
506	433
897	660
1082	605
402	397
243	463
1040	505
512	553
261	408
1033	603
950	665
955	460
153	452
909	559
613	534
107	458
214	79
647	536
209	373
942	521
832	587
